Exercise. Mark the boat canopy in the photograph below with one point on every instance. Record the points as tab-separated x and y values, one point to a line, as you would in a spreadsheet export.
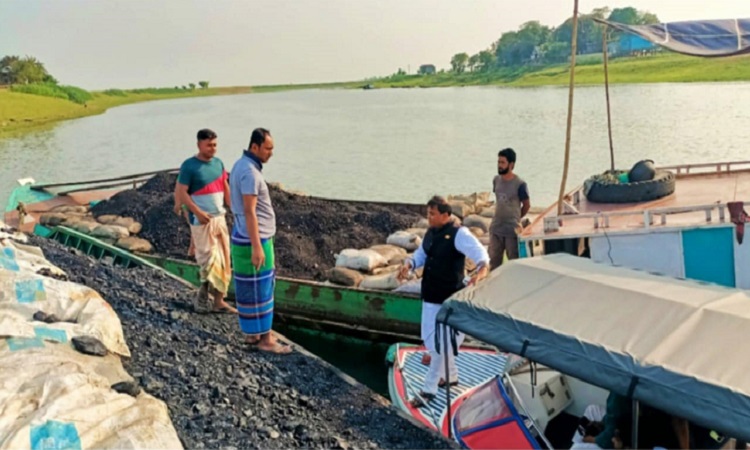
675	344
710	38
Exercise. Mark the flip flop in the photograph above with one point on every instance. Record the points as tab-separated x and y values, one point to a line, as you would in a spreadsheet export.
421	400
226	309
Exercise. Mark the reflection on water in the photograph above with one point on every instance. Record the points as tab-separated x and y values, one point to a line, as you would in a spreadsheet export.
400	144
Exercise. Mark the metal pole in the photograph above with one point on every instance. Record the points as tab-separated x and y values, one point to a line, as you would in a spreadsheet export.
447	379
566	163
636	413
606	90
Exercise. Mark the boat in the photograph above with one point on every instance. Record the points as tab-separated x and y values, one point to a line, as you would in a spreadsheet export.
656	340
673	235
406	375
362	313
689	222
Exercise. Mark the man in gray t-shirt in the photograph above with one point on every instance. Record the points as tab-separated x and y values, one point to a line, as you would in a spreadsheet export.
253	261
511	205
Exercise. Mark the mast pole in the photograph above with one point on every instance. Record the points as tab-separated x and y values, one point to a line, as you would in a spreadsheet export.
566	163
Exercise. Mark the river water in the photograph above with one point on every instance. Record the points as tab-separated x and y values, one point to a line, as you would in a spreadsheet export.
400	144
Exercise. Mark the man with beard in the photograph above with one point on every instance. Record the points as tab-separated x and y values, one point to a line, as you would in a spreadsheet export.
511	205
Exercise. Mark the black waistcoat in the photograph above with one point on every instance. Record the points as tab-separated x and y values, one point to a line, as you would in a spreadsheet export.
444	267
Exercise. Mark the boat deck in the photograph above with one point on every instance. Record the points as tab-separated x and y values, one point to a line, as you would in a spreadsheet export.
700	198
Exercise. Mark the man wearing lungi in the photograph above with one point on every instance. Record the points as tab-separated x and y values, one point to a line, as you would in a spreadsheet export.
443	254
203	188
252	244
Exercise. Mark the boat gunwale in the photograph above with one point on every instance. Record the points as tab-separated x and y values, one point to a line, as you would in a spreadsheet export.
302	281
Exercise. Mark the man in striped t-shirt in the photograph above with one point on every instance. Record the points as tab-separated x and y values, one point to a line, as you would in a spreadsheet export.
203	187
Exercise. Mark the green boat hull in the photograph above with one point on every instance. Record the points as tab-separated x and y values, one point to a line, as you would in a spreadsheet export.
372	315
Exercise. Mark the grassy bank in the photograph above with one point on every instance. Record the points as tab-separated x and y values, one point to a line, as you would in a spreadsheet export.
654	69
21	112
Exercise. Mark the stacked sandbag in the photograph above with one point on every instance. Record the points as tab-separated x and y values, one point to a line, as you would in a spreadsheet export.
373	268
112	229
466	205
63	383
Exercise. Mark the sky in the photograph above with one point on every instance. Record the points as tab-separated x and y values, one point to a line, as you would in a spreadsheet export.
100	44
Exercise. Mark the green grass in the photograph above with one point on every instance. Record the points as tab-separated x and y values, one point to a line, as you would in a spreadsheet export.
72	93
653	69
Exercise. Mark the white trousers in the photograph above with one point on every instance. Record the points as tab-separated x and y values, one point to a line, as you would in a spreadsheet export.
437	364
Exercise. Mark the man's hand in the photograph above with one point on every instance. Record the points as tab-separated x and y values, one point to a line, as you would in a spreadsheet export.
177	209
404	271
203	217
259	257
478	276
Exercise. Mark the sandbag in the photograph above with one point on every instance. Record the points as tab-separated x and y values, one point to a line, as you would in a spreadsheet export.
113	232
460	208
478	232
84	227
404	240
386	269
382	282
365	260
398	260
422	223
134	244
390	252
70	209
410	287
488	212
418	231
52	219
107	219
132	226
345	277
480	222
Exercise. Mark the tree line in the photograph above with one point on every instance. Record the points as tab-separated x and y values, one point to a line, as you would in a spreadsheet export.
27	70
534	43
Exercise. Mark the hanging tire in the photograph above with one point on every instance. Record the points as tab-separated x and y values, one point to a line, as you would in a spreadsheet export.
599	190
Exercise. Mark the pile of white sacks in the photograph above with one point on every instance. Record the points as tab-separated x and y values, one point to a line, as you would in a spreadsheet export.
377	267
62	383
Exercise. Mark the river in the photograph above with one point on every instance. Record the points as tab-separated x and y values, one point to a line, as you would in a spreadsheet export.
399	144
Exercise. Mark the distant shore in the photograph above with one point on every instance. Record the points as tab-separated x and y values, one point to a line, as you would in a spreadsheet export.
20	113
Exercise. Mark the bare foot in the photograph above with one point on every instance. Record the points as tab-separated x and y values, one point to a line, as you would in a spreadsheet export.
224	307
275	347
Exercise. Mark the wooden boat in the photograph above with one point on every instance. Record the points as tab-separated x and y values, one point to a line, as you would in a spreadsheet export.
367	314
691	233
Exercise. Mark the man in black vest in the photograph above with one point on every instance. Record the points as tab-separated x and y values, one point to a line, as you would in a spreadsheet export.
443	254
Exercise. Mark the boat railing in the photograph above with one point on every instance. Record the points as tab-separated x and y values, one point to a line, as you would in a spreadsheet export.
715	213
707	168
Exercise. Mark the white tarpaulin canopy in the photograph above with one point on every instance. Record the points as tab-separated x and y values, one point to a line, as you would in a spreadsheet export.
677	345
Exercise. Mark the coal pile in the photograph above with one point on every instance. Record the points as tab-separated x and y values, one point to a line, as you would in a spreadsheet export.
310	232
220	393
